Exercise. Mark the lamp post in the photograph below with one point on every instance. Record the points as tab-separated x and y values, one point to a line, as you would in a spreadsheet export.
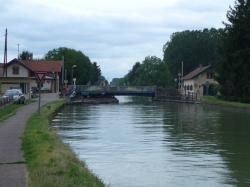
72	73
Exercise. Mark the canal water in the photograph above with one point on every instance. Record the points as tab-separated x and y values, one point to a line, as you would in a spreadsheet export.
139	143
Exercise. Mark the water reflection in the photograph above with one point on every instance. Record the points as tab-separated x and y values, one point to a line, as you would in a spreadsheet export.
140	143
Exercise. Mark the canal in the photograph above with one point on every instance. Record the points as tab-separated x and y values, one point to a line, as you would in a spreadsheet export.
139	143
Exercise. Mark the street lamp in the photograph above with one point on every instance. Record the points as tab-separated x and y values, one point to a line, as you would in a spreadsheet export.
72	73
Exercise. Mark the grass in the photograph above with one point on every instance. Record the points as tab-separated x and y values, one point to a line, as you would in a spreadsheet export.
10	110
217	101
49	161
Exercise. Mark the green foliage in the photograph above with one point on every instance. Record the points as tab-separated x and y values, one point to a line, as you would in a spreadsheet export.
193	48
234	71
117	82
49	161
151	72
85	71
214	89
8	111
218	101
26	55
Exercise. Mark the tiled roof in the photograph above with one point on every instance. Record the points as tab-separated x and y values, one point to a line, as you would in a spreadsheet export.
196	72
42	65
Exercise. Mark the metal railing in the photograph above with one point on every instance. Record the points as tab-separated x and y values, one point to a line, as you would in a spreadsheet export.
113	89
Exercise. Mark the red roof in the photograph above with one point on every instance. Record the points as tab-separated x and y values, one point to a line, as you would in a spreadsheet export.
196	72
42	65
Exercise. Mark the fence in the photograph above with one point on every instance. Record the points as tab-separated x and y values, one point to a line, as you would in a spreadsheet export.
190	96
5	100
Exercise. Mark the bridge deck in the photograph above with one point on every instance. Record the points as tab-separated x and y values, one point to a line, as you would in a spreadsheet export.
116	91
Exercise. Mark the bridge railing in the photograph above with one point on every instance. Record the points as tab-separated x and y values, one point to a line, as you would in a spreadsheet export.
85	88
132	88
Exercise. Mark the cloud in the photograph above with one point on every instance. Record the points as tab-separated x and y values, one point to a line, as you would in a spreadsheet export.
114	33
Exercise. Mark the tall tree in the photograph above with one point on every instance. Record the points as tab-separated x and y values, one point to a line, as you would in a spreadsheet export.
193	48
26	55
85	71
95	73
234	71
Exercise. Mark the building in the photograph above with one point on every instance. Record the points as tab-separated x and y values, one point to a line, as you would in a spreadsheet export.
200	81
22	74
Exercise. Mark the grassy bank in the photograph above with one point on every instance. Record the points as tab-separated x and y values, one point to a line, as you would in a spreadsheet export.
49	161
10	110
217	101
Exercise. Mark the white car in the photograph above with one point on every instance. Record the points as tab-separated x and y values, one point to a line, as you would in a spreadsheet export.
16	95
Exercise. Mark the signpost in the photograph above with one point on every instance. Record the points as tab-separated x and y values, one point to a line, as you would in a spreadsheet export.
40	75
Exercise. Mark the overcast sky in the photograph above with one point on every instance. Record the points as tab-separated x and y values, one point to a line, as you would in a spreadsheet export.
115	33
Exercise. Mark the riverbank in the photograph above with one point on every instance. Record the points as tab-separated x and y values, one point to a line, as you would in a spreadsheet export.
49	161
216	101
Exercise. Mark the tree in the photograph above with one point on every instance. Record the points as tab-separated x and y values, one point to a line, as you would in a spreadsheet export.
193	48
151	72
85	71
95	73
26	55
234	71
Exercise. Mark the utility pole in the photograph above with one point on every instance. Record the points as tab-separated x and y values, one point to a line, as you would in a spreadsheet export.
18	51
5	55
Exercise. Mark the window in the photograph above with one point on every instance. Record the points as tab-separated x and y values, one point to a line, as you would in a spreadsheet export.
209	75
15	70
191	88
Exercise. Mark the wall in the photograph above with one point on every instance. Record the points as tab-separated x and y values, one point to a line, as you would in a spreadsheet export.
198	83
23	72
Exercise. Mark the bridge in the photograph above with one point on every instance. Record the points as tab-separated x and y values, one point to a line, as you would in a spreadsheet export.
88	91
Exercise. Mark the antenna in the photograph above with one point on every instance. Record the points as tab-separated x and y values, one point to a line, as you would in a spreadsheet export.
5	55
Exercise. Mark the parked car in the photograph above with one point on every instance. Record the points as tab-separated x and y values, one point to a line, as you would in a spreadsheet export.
16	95
45	90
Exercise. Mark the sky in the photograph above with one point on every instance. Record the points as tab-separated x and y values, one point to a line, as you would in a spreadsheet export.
114	33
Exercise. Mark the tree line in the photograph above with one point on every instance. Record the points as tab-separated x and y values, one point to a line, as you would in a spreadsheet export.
76	62
226	49
190	47
152	71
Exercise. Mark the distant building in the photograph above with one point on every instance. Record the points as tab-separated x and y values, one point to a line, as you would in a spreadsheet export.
200	81
21	74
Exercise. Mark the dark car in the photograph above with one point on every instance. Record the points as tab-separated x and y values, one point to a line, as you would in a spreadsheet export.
16	95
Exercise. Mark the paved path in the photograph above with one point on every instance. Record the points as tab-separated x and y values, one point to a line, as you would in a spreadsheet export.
12	167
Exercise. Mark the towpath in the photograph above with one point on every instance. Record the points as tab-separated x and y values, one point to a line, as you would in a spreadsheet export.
13	171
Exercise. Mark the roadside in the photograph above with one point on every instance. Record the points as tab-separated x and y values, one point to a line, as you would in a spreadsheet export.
49	161
10	109
216	101
12	163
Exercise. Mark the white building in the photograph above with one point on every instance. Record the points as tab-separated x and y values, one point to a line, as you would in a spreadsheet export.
200	81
